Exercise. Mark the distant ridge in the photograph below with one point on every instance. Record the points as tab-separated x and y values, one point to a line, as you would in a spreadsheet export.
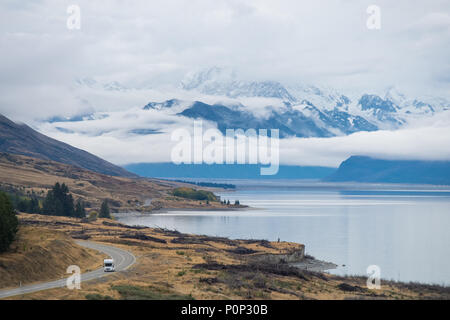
23	140
366	169
222	171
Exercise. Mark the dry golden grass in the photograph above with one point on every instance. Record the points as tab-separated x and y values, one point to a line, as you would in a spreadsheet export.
34	175
39	254
173	265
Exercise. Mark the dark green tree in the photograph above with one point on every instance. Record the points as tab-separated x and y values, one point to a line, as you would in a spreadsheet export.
104	210
8	222
27	205
34	205
80	211
59	202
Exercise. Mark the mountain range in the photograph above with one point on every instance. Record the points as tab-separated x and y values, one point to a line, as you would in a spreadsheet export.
297	111
22	140
218	96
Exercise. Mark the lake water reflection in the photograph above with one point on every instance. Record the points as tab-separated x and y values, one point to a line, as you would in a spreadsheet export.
405	230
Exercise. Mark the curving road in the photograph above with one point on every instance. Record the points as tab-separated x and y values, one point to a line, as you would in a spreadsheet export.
122	259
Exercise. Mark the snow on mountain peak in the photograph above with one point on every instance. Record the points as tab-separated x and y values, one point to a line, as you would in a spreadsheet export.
91	83
301	109
395	96
224	82
194	80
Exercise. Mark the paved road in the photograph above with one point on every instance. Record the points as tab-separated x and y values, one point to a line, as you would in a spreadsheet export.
122	259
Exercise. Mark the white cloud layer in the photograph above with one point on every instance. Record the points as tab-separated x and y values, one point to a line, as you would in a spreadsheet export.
112	138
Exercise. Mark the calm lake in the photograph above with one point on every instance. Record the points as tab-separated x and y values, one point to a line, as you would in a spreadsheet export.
403	229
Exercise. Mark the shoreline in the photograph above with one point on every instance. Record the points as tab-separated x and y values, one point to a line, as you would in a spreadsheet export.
212	267
307	263
166	210
313	264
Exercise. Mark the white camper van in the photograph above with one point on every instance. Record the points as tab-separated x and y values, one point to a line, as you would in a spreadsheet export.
108	265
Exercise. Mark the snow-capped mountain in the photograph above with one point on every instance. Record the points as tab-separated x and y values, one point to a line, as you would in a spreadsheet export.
94	84
380	110
300	110
223	82
302	120
162	105
323	98
333	112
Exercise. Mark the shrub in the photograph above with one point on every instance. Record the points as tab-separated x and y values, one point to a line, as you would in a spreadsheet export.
194	194
128	292
96	296
93	215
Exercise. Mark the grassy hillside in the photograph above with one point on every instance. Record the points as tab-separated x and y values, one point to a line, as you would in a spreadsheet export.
21	139
39	254
28	175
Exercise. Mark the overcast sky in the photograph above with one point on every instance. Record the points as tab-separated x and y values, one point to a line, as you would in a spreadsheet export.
156	42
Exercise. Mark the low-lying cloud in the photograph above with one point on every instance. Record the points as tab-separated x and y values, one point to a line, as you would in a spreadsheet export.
113	138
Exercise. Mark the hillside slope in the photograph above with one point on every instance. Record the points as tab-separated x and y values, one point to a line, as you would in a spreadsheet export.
21	139
27	175
40	254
